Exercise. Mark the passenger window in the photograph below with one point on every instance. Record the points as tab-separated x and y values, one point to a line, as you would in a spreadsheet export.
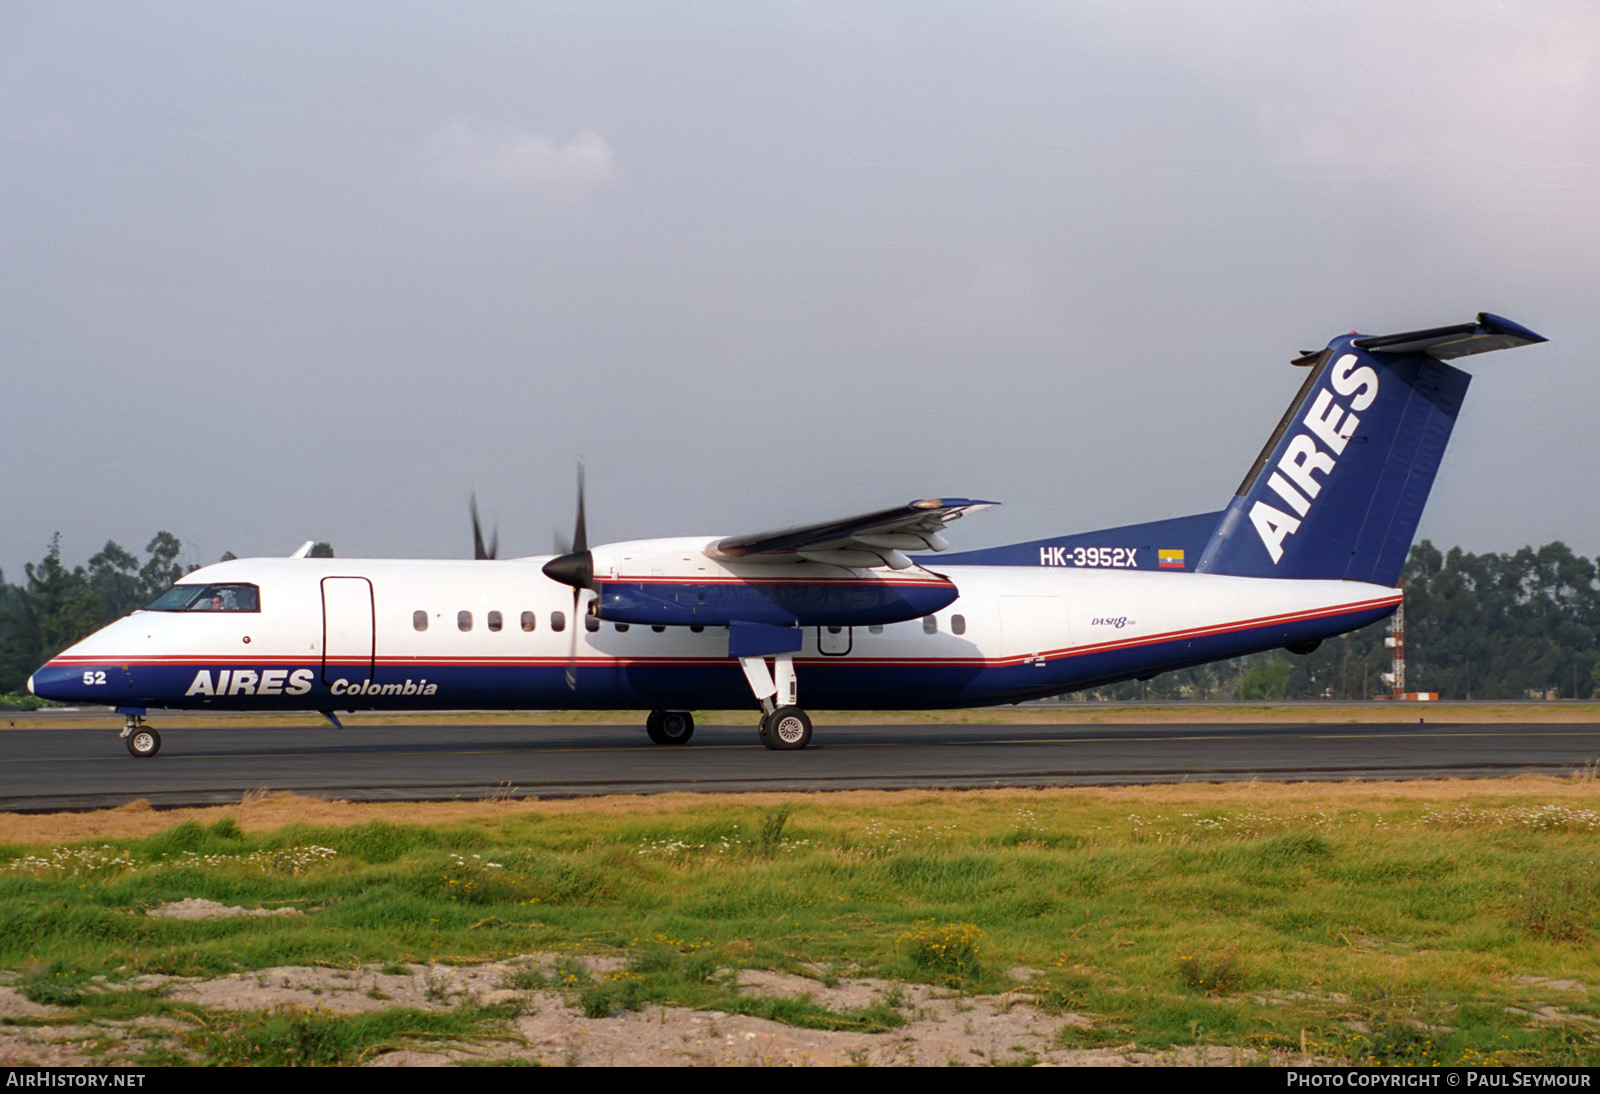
528	620
591	624
930	624
622	628
958	624
657	627
494	621
419	620
558	621
464	620
696	628
876	628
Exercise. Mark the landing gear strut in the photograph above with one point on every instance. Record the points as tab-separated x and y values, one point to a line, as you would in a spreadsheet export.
670	727
142	741
783	726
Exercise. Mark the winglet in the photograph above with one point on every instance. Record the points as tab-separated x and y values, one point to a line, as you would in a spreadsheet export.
304	550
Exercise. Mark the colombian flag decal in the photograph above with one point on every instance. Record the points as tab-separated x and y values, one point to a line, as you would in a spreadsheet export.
1170	558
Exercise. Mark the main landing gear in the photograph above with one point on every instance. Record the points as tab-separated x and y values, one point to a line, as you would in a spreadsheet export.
670	727
784	726
142	741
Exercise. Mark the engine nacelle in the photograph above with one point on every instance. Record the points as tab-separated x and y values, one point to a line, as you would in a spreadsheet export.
787	602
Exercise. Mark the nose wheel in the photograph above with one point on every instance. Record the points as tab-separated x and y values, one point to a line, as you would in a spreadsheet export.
144	743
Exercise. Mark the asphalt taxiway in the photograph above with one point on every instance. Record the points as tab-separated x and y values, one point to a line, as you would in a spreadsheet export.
76	768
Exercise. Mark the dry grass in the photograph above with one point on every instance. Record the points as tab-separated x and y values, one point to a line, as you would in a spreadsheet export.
263	811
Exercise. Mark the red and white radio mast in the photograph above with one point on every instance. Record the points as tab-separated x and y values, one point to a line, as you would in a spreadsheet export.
1395	640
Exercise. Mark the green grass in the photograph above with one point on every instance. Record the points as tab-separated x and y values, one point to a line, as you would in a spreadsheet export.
1392	930
304	1036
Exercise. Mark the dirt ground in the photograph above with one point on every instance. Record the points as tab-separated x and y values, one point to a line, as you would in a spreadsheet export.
941	1028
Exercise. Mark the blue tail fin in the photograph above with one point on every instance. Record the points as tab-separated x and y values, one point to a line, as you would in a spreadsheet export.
1339	488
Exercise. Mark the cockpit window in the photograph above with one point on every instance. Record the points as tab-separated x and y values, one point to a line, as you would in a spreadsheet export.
208	598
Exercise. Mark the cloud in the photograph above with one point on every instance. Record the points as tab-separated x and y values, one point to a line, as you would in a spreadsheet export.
503	159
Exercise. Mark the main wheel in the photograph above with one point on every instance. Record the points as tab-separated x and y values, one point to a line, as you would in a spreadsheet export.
144	743
670	727
786	729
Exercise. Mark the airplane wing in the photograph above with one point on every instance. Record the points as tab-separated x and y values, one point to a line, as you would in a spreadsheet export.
871	539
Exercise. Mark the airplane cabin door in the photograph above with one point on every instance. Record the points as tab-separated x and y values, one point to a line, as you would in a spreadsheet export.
349	629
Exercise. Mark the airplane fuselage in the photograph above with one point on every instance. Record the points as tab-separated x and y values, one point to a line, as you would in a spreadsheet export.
836	614
337	634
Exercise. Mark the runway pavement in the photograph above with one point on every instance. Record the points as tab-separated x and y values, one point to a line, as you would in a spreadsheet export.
71	768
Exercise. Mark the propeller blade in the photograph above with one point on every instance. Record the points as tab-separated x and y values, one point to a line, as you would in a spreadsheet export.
580	535
574	566
572	650
479	551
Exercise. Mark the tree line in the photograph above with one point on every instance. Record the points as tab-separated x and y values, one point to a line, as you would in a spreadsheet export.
55	606
1490	626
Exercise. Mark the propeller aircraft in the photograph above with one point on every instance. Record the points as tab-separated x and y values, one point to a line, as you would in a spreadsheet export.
869	612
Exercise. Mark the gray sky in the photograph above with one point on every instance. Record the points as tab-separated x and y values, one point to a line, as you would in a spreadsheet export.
275	272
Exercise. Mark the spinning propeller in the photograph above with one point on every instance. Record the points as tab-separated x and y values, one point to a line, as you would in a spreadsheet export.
574	566
479	552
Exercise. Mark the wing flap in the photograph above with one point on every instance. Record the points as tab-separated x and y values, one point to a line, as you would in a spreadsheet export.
880	535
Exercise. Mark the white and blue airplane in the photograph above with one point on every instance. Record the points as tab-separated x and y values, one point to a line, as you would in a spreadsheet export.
870	612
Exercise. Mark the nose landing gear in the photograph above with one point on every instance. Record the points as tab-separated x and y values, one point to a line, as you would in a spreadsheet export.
142	741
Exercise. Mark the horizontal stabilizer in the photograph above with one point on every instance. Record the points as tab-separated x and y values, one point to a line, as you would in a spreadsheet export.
1490	332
